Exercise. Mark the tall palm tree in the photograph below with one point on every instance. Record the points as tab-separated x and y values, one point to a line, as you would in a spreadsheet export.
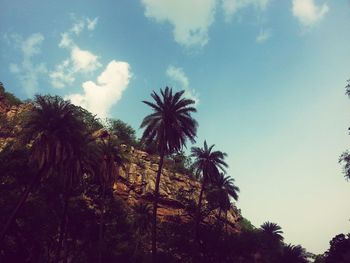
111	158
55	131
223	188
207	163
168	126
272	231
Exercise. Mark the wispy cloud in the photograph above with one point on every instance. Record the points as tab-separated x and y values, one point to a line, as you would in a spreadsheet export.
308	12
80	61
231	7
263	36
178	75
99	97
190	19
28	72
91	24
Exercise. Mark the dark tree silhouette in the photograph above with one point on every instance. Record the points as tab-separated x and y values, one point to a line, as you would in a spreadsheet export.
142	222
55	131
169	126
206	165
272	231
344	159
221	189
111	159
293	254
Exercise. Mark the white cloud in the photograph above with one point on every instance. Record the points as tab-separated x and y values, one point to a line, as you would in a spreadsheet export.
80	61
230	7
263	36
84	60
190	19
62	75
66	40
91	24
99	97
27	71
307	12
178	75
82	23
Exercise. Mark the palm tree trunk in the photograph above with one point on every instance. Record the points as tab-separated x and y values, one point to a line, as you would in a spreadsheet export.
62	226
197	221
226	222
20	204
155	206
220	211
198	212
100	235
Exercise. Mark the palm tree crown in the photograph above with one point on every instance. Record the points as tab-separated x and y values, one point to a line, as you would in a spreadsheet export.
207	162
171	123
272	230
56	130
226	185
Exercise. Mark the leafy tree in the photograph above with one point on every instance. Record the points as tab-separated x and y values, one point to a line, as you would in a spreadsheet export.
347	88
339	251
345	157
206	164
124	132
11	99
246	225
345	160
169	126
181	163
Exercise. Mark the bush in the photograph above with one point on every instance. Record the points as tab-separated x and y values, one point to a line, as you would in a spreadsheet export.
9	97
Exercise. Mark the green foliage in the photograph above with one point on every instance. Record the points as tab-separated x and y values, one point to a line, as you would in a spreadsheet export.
91	122
345	161
11	99
339	251
180	163
246	225
170	124
125	133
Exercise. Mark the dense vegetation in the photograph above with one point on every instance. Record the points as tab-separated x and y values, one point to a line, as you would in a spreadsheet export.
58	204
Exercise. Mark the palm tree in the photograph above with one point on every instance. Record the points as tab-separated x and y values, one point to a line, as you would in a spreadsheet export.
168	126
112	159
55	131
207	163
222	188
294	254
272	233
142	219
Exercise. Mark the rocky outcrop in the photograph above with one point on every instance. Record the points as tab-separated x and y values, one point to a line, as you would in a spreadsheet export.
137	182
10	119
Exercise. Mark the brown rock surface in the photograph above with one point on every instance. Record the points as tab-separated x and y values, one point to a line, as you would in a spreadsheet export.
137	184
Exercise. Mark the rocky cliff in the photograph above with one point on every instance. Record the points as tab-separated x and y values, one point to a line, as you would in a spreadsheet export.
178	192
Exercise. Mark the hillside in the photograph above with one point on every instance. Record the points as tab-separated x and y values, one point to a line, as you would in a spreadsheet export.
136	182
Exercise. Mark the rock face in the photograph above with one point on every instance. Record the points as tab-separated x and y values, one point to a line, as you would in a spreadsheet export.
137	181
9	119
176	190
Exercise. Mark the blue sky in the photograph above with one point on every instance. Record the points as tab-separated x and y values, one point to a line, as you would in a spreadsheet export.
267	76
